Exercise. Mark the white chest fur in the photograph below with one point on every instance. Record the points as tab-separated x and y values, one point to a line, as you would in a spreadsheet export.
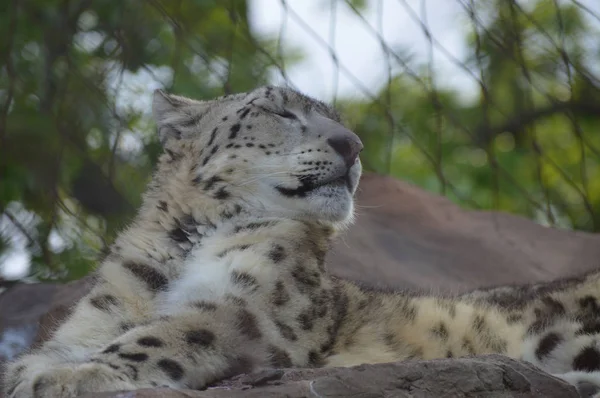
207	276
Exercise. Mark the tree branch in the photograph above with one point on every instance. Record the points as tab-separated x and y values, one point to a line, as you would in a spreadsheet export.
486	133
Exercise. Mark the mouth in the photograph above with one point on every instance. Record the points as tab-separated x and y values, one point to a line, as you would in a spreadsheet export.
309	184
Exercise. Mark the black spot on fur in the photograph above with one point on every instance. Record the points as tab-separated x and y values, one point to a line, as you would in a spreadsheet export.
467	345
306	277
162	205
244	113
206	159
587	360
320	301
213	134
173	155
104	302
248	324
197	180
240	302
37	386
154	279
222	194
537	326
492	340
306	320
233	131
547	344
133	371
591	327
280	296
149	341
589	303
243	278
111	348
171	368
232	249
408	310
205	305
277	254
440	331
554	306
252	226
229	213
211	182
339	311
390	340
479	324
286	331
125	326
201	337
514	318
178	235
314	359
134	356
279	358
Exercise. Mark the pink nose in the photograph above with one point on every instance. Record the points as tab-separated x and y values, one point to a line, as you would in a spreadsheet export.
347	145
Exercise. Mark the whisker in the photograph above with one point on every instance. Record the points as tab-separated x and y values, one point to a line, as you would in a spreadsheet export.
261	177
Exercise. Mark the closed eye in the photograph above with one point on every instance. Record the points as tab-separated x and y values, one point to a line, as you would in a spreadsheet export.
286	114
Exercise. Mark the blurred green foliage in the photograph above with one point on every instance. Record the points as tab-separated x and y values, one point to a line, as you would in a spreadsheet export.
76	152
527	144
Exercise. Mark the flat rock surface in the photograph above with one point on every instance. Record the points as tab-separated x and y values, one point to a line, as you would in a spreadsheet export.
403	237
490	376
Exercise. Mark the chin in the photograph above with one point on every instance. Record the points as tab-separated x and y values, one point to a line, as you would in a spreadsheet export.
333	204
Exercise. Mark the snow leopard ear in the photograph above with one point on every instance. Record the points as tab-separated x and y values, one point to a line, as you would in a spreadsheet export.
175	115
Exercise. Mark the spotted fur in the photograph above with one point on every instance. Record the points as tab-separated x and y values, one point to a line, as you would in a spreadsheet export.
223	271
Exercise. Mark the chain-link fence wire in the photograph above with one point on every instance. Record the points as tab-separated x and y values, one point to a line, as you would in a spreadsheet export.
77	143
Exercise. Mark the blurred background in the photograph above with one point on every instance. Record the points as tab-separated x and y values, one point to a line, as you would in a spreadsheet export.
494	104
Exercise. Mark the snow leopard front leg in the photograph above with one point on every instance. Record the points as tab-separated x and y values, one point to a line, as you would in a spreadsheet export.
191	349
106	312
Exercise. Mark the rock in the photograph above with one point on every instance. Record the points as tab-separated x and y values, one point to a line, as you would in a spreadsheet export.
487	376
403	237
29	312
408	238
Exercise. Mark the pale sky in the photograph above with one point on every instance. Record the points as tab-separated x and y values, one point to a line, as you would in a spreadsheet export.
357	48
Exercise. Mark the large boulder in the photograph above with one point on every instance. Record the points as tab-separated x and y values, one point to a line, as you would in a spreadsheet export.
403	237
